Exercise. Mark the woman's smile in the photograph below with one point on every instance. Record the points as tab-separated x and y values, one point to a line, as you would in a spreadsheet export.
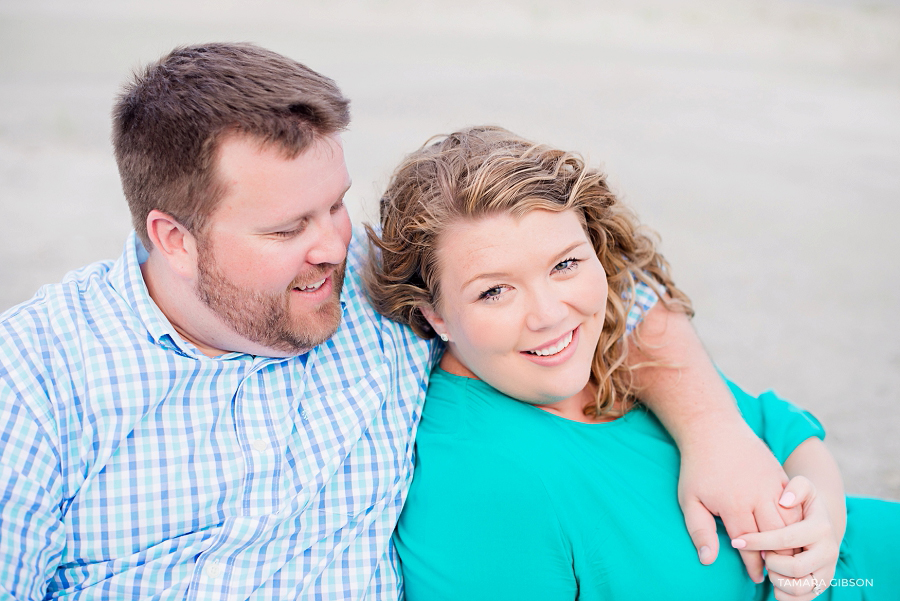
557	353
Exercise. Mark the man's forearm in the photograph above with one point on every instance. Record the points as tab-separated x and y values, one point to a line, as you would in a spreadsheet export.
685	391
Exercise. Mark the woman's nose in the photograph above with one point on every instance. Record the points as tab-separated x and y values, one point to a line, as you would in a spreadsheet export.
546	310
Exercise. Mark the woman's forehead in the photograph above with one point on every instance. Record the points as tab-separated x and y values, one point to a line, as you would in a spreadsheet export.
504	243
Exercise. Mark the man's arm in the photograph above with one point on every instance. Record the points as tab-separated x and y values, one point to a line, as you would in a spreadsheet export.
726	470
32	535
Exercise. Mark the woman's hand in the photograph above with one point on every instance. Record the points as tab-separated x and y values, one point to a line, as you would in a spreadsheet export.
808	572
731	473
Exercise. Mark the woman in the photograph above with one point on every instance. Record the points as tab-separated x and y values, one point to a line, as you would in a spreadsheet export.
538	475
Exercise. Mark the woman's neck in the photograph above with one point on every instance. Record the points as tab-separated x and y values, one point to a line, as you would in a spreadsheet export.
571	408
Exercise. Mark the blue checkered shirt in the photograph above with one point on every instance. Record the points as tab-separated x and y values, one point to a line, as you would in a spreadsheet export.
134	466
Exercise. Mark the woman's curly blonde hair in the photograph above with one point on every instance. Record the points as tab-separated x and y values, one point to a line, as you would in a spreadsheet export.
487	170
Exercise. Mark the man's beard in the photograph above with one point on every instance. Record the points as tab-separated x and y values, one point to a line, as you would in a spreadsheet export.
265	318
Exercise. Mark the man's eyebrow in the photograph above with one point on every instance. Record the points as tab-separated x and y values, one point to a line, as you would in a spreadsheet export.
307	214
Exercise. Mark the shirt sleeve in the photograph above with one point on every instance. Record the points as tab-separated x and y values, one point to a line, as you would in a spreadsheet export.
481	528
644	299
32	534
780	424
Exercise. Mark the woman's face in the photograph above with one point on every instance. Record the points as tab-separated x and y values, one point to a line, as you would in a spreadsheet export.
523	302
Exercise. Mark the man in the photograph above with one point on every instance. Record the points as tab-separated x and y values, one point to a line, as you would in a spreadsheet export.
219	413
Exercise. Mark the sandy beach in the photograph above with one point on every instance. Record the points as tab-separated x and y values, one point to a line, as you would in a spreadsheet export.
761	139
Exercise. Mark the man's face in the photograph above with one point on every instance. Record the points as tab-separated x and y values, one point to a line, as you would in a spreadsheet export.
271	260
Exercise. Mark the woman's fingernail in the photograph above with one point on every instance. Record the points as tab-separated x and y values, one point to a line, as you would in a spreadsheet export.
762	554
786	499
705	554
738	543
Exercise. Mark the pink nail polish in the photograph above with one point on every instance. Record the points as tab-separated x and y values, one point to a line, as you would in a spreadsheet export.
786	499
738	543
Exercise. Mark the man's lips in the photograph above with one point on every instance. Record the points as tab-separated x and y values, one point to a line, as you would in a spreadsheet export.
311	287
312	282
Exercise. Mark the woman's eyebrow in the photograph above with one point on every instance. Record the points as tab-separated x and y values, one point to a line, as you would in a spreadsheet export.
569	249
487	276
502	274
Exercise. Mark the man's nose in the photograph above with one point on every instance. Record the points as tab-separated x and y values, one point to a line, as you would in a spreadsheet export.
330	246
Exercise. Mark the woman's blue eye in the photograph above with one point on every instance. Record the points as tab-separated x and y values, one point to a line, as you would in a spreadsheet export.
491	292
566	265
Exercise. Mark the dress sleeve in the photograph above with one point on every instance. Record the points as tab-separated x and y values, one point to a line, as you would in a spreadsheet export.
478	528
780	424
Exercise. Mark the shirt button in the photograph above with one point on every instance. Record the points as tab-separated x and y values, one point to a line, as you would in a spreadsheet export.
259	445
304	415
213	570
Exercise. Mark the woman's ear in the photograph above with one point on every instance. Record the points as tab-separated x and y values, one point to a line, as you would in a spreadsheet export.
434	320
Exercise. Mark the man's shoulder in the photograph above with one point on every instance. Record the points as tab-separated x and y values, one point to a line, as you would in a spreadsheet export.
364	330
354	295
56	309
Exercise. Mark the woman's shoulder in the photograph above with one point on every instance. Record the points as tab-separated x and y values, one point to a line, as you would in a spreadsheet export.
471	411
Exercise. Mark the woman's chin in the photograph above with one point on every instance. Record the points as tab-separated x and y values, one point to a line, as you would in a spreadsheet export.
575	387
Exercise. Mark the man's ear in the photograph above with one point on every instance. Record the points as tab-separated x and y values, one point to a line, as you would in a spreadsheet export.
174	243
434	320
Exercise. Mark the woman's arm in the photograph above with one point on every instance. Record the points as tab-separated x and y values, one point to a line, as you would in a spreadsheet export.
726	470
814	461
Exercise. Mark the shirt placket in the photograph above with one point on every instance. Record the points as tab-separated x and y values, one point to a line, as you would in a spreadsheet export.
260	430
259	408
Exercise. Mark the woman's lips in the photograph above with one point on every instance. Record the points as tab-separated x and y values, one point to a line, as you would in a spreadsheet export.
564	348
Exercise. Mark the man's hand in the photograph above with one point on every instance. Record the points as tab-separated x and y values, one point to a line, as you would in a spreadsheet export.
726	470
730	473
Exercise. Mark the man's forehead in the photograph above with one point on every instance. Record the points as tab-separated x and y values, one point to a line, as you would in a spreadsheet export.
257	174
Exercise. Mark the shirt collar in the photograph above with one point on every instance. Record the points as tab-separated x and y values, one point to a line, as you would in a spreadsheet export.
126	278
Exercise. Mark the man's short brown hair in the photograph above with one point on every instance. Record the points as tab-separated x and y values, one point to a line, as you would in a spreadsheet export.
169	121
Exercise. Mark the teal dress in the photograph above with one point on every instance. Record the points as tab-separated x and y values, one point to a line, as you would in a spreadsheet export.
512	502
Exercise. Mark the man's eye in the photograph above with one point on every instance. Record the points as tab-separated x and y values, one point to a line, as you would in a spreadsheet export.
291	232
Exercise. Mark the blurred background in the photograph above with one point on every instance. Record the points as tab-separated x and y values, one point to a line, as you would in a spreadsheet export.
761	139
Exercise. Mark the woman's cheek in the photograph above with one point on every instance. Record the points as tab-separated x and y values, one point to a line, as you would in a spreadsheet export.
489	330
